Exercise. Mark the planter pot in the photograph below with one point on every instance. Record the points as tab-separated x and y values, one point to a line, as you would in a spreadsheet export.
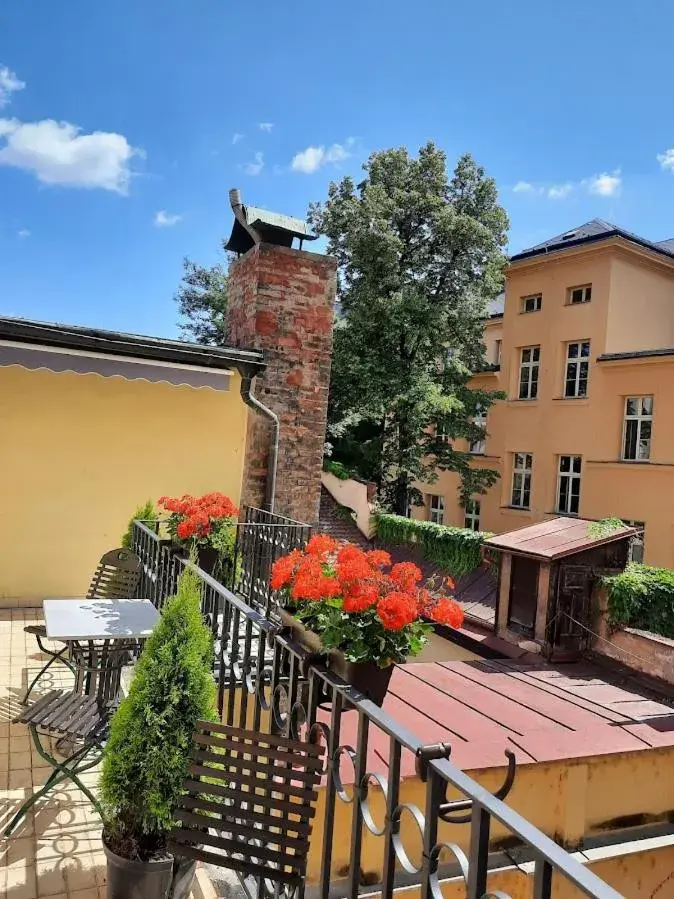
207	559
166	879
367	677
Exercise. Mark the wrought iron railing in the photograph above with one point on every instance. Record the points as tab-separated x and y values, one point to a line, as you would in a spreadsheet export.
267	681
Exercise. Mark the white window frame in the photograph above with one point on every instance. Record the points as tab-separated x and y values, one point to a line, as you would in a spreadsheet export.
585	294
576	363
523	464
436	508
638	541
471	515
526	372
441	432
641	418
498	349
573	477
478	447
531	303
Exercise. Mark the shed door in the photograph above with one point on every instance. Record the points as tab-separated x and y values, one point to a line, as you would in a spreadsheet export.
523	594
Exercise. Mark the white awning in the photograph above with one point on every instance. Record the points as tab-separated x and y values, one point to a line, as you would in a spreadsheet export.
85	362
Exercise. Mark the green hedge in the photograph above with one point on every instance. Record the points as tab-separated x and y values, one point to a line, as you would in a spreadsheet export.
456	550
642	597
338	469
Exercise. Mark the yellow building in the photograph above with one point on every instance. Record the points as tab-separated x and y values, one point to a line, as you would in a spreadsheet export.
584	351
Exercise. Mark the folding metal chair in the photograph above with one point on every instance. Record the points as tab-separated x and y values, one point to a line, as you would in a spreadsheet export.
78	718
249	804
116	577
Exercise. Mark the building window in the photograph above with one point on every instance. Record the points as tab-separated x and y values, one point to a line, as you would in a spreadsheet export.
471	518
522	465
436	508
568	487
577	367
531	303
479	420
442	432
580	294
637	547
638	427
497	351
530	360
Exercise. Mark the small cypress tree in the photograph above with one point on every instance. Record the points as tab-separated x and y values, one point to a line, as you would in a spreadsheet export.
147	753
146	512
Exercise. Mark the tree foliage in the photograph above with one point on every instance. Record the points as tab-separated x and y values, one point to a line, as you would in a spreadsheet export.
202	302
420	256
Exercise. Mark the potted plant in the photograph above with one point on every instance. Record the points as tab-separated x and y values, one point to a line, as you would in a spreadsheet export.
147	753
364	612
206	523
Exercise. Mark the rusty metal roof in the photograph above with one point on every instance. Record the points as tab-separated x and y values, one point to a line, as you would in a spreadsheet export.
556	538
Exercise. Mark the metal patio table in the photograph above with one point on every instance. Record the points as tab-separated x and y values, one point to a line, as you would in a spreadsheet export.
71	620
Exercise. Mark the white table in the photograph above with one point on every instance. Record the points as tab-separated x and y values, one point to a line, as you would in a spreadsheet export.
99	619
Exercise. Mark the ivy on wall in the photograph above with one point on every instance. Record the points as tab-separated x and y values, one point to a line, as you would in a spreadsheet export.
642	597
456	550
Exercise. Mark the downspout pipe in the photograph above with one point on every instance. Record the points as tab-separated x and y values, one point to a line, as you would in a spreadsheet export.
254	403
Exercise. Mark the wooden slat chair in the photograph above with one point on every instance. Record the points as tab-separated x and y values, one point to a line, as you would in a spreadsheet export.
79	719
116	577
249	803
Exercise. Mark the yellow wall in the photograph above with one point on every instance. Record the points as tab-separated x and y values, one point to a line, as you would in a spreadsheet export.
632	308
78	453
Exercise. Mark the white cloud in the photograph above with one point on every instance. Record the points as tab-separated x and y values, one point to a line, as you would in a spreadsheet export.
165	219
255	167
23	233
265	126
236	137
9	83
608	184
313	158
666	159
524	187
560	191
58	153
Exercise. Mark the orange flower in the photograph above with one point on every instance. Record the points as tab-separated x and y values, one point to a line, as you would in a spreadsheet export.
397	610
359	598
450	583
320	544
448	612
378	558
405	575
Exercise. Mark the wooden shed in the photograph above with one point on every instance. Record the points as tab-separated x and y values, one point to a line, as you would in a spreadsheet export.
546	574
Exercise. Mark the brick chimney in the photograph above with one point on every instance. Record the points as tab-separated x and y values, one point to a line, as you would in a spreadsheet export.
280	300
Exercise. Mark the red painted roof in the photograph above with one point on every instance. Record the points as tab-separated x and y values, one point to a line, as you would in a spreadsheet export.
541	712
555	538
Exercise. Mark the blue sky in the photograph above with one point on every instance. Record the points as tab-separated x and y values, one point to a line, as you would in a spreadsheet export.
118	124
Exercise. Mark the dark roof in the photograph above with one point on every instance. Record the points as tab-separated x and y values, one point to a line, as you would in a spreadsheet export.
555	538
139	346
592	232
636	354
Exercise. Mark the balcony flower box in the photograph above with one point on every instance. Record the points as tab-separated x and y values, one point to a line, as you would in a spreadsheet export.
364	613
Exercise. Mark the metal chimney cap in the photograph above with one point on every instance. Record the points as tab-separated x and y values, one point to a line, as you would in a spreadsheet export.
253	225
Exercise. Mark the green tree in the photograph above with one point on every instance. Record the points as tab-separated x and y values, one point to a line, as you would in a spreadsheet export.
420	256
202	301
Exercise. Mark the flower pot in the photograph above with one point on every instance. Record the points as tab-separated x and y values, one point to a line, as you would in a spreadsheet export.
167	878
367	677
207	558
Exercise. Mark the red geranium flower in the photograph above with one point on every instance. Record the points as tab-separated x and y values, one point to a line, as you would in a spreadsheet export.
359	598
320	544
406	575
449	612
397	610
379	558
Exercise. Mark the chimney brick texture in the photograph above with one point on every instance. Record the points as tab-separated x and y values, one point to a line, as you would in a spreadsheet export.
281	301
